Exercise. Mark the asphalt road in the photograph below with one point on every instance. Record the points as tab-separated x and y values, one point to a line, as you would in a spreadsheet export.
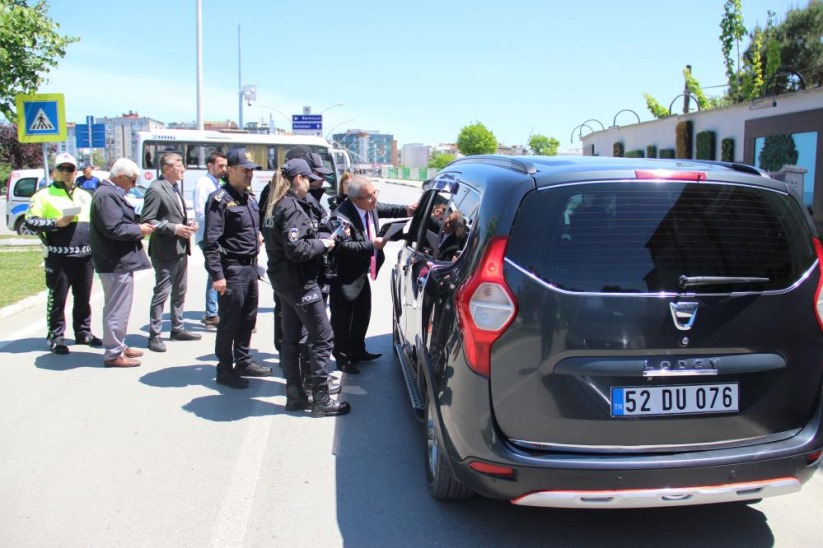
162	456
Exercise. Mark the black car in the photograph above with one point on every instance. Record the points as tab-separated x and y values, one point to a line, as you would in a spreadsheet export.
590	332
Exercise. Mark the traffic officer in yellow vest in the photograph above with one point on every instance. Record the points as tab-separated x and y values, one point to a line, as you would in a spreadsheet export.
59	214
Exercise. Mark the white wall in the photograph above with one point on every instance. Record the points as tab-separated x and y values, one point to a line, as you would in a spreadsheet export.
725	122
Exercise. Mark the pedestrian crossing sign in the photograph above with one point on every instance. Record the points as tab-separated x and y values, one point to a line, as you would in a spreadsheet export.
41	118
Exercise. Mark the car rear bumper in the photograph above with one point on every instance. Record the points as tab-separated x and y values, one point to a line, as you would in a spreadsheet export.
656	498
612	480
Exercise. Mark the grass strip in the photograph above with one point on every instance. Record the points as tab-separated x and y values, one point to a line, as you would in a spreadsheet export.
21	275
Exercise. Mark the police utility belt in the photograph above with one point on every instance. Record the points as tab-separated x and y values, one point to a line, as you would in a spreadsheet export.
230	260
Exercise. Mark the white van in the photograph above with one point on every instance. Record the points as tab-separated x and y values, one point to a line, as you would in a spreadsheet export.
21	187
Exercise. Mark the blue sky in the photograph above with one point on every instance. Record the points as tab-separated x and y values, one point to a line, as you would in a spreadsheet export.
420	70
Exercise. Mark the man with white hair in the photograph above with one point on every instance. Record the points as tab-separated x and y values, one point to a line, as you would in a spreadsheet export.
117	252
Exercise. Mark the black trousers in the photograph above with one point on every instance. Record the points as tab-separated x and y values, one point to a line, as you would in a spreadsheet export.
237	307
350	322
62	274
302	319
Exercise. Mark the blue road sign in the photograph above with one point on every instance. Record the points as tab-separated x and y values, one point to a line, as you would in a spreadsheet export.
314	126
301	118
97	139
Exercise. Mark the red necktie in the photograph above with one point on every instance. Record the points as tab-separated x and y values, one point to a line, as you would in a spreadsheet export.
373	261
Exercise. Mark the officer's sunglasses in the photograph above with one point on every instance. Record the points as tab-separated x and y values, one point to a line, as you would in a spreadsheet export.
66	169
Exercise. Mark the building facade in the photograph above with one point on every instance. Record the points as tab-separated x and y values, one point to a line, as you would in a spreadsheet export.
415	155
368	148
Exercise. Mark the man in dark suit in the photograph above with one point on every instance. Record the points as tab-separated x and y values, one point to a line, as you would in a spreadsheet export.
359	257
169	248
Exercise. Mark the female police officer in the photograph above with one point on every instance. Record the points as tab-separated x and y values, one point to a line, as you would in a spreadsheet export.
295	260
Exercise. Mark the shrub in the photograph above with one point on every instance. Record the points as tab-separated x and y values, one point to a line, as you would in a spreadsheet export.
705	146
727	149
666	153
651	151
617	149
635	154
683	139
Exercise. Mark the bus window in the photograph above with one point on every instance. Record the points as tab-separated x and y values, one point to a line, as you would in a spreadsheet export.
198	154
173	148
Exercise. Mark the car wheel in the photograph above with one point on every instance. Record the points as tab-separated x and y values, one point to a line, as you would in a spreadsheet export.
442	484
20	227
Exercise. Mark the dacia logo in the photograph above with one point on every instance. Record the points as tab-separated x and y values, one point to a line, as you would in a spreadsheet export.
683	315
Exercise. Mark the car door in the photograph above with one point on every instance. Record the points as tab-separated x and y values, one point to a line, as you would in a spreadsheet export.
411	267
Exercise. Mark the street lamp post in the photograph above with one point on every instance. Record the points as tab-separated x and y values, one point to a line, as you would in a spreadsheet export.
331	107
337	126
271	120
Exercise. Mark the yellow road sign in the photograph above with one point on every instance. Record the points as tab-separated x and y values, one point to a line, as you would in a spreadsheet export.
41	118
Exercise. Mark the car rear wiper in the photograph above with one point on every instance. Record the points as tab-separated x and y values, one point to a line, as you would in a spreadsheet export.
692	281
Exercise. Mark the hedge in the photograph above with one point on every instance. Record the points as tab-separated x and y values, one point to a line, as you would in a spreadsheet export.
705	146
683	138
727	149
617	149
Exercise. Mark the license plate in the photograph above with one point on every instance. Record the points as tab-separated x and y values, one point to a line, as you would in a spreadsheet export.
632	401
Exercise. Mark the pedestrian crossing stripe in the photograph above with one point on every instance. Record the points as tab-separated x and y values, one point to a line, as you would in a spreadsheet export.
41	118
41	122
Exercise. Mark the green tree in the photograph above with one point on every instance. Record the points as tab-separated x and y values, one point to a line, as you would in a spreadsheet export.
542	145
732	30
793	45
30	46
476	139
778	151
439	160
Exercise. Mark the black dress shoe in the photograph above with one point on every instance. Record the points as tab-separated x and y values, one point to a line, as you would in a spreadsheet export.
185	336
90	340
156	345
348	367
366	357
230	378
251	369
58	346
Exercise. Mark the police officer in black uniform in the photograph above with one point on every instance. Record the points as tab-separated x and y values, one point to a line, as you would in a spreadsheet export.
295	261
230	245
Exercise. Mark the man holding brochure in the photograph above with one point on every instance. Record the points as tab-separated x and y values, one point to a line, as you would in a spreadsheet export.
59	214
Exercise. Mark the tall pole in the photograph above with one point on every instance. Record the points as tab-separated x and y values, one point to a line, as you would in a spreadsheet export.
199	65
239	79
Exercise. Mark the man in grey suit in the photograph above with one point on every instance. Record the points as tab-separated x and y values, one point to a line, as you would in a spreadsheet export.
169	249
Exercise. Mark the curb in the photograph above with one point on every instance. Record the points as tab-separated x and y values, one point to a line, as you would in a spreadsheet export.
26	303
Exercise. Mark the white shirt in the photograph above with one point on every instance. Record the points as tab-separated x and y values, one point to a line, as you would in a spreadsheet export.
202	188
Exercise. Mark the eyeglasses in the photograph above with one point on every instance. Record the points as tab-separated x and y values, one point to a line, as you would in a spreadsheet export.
66	169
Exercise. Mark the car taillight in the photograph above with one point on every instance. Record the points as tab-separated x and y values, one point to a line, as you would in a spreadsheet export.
818	309
485	307
670	174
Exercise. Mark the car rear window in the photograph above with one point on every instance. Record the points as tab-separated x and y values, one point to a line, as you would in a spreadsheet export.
645	236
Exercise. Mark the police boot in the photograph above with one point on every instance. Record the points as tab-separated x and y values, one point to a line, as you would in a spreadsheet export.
296	399
324	405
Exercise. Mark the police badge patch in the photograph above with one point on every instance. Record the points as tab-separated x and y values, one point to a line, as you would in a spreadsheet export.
294	233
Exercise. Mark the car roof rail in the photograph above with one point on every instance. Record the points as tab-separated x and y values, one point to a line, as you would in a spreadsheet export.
517	164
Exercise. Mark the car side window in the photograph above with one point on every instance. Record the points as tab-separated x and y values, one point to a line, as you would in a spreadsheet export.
25	187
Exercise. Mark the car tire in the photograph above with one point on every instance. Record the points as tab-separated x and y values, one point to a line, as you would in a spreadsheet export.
442	483
20	227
